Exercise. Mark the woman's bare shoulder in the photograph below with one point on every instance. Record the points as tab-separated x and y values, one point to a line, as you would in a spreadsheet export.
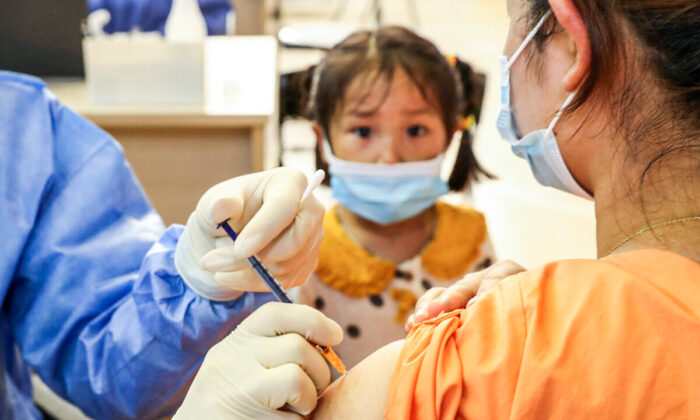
362	393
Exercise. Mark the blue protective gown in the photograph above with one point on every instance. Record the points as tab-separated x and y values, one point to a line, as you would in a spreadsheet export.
150	15
90	297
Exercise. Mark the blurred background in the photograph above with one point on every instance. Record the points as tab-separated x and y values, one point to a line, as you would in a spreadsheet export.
203	104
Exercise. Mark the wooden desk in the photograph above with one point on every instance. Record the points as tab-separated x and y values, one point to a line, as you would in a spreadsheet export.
250	16
178	152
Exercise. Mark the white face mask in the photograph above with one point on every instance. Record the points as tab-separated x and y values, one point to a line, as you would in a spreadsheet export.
540	147
385	193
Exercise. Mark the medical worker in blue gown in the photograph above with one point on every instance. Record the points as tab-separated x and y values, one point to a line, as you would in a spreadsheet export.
111	309
151	15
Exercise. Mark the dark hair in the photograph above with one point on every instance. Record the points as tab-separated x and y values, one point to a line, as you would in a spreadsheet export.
664	60
453	88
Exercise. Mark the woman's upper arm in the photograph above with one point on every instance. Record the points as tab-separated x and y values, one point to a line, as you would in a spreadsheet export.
362	393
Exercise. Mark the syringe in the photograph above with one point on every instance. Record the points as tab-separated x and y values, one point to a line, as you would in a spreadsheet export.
277	288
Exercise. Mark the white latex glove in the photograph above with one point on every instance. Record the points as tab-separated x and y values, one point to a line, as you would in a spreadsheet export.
263	366
264	210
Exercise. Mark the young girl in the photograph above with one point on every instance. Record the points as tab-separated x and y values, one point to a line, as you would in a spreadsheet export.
385	106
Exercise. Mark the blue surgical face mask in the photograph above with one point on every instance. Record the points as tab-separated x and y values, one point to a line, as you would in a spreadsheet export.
540	147
385	193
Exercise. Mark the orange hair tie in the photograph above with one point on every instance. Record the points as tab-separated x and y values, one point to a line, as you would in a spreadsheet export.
452	59
467	123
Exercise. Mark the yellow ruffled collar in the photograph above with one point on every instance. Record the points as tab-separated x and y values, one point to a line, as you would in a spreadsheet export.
348	267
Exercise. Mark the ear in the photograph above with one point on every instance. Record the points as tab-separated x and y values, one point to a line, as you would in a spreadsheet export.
570	19
318	131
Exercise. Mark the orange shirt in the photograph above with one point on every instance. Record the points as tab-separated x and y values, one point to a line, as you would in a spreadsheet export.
616	338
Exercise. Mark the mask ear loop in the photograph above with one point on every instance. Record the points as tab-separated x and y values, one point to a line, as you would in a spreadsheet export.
519	51
527	39
555	120
327	148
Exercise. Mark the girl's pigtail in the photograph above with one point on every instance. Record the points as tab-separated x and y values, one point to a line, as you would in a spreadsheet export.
311	110
297	101
295	92
472	84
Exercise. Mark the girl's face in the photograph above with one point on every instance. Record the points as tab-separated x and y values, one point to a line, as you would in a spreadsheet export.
387	123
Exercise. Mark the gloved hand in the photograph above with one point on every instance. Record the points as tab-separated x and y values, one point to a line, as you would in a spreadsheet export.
264	210
263	366
440	299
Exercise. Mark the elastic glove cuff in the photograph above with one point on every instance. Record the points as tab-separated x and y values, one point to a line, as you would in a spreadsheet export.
190	269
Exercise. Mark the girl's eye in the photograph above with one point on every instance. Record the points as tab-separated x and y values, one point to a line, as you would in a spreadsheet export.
415	131
362	132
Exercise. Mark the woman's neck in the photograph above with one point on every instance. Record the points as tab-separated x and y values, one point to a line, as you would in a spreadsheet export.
624	207
396	242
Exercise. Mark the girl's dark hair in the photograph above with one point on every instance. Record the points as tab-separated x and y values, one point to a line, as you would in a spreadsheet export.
453	88
655	45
